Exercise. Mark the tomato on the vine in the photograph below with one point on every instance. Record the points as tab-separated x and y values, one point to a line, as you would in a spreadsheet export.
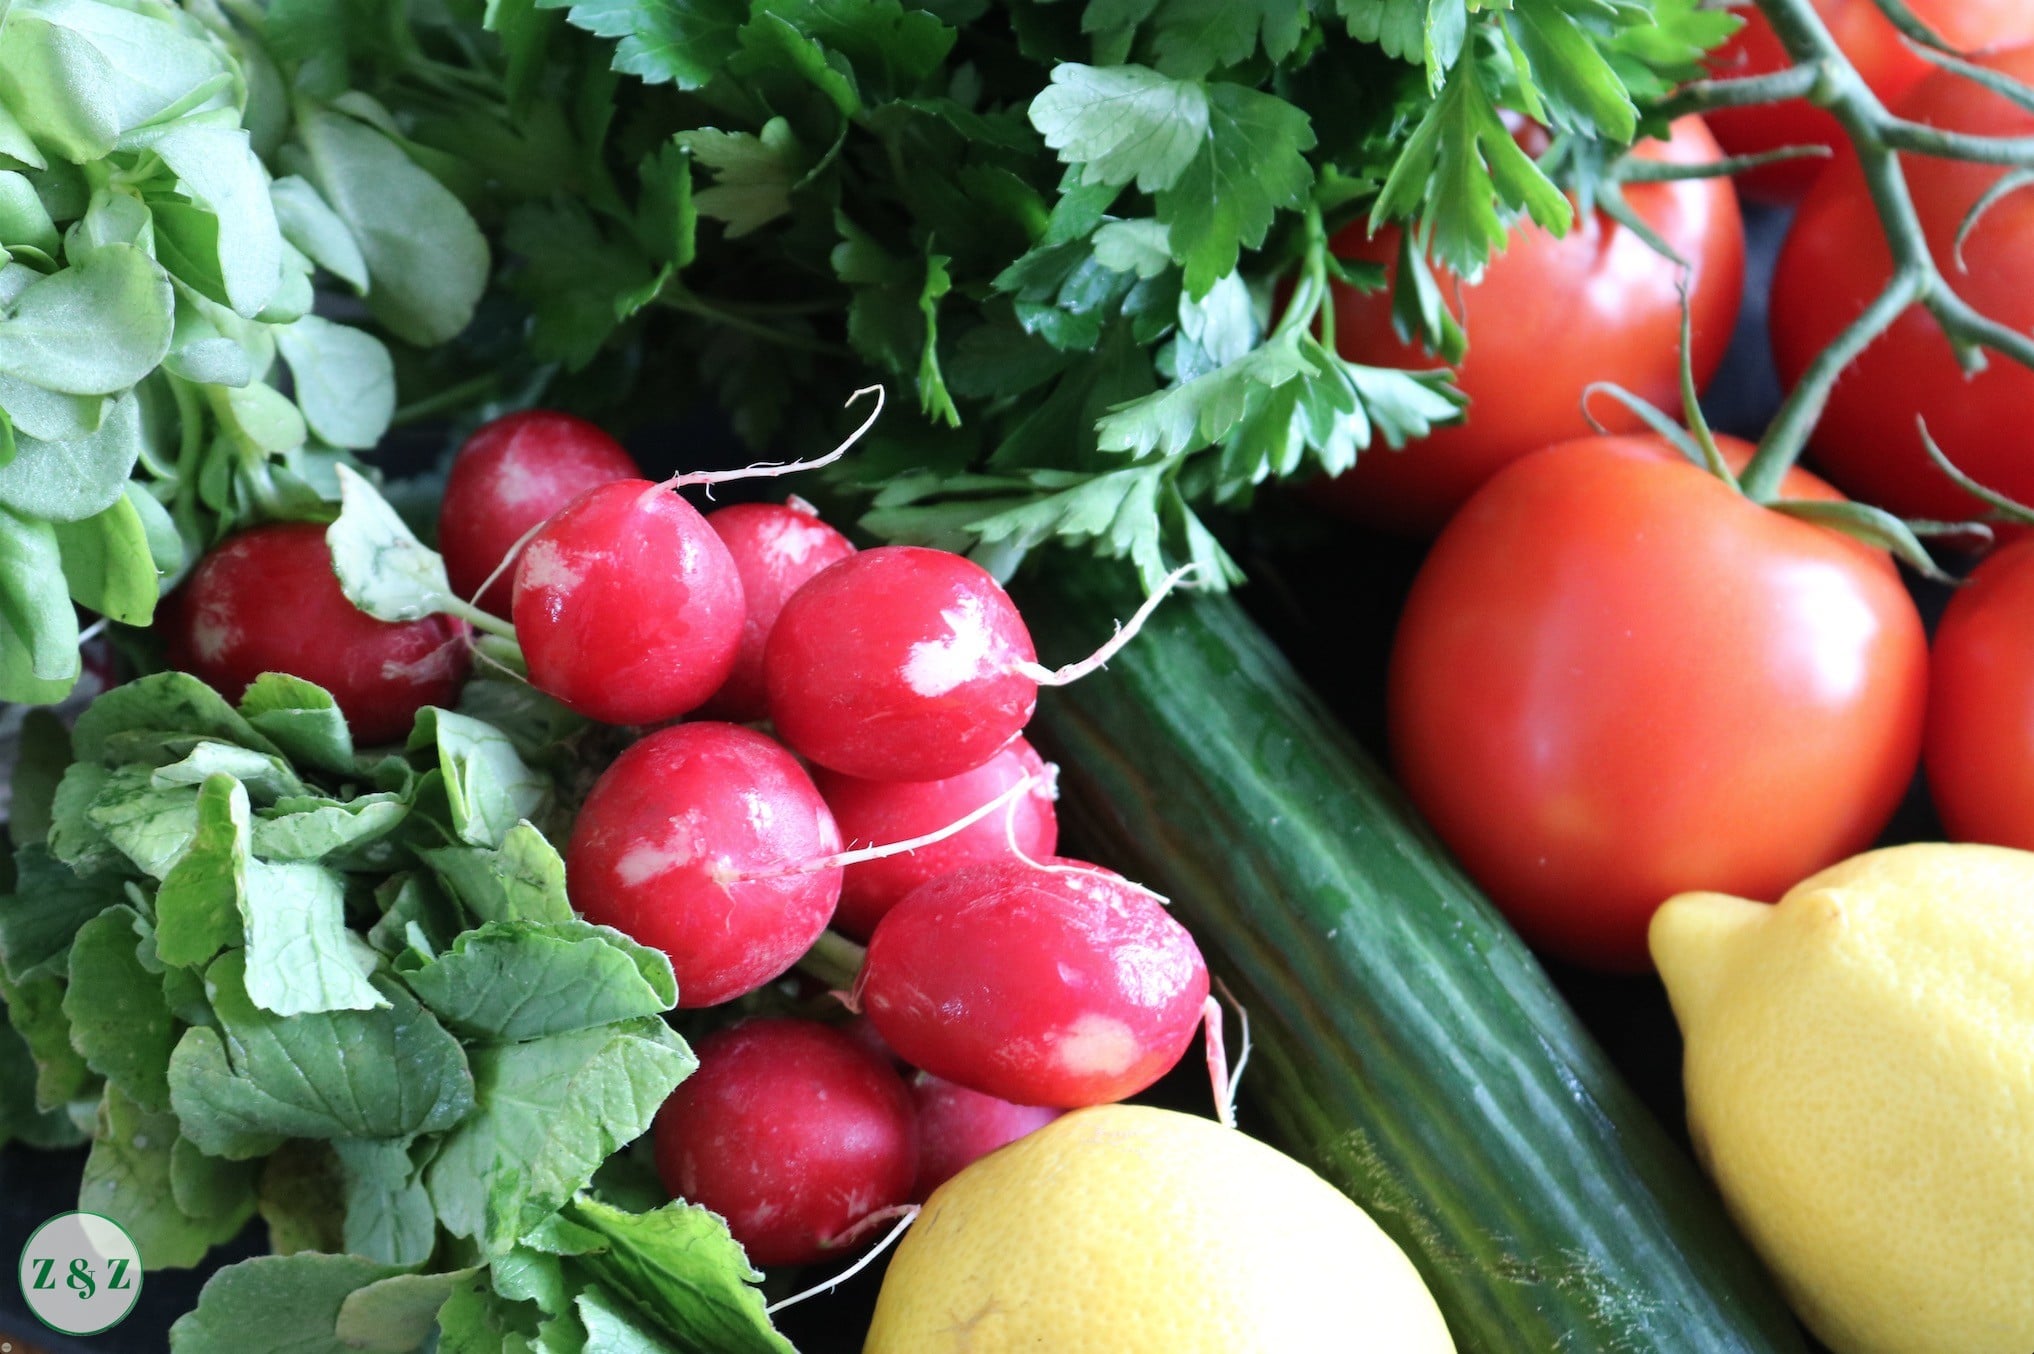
1549	317
1980	745
1617	679
1887	64
1835	261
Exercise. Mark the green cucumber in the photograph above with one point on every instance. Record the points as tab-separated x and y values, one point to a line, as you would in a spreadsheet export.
1408	1046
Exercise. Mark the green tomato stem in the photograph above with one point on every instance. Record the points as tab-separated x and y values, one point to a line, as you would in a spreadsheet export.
1878	138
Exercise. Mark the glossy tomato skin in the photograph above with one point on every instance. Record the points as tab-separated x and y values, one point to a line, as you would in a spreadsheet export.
1835	261
266	600
513	473
1980	746
1550	317
1889	66
1616	680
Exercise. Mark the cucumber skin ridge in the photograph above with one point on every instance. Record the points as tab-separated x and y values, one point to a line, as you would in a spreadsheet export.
1408	1045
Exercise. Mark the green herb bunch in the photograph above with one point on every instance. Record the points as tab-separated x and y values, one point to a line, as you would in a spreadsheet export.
1091	236
170	192
264	972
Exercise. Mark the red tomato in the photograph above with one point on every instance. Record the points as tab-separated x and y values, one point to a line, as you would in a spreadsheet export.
1835	261
1595	305
1873	45
1616	680
1980	745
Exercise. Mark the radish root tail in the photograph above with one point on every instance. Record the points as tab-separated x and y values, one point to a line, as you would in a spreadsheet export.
905	1215
772	469
1125	632
842	859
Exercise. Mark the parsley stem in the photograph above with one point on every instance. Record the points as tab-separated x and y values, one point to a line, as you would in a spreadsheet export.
677	298
1878	137
452	397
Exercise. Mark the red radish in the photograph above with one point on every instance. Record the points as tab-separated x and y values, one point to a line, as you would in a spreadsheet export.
669	837
777	548
627	606
876	811
792	1132
267	600
1057	984
957	1127
900	663
512	474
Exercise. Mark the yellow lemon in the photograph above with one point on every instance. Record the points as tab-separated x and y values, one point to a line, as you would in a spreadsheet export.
1127	1230
1860	1075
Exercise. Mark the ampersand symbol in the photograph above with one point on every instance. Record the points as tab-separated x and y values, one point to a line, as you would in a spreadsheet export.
81	1278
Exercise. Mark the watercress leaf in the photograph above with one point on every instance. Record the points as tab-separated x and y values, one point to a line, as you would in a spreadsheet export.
1251	166
344	380
95	328
198	906
522	880
148	825
48	905
752	174
77	478
302	719
383	568
1123	123
391	1072
299	1197
162	702
388	1214
397	1314
130	1177
682	42
279	1302
313	829
427	260
307	221
219	171
49	416
120	1023
679	1265
35	1010
23	218
507	981
42	750
260	417
108	564
550	1111
21	1120
300	956
16	143
38	628
487	784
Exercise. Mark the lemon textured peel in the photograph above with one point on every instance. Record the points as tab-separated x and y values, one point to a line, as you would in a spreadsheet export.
1128	1230
1860	1078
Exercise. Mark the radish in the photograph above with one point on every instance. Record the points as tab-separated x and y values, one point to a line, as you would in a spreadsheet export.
1055	983
627	606
903	663
888	811
266	600
707	841
900	663
777	548
957	1127
510	475
793	1133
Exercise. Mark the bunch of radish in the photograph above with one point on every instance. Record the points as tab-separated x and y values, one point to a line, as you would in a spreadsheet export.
893	798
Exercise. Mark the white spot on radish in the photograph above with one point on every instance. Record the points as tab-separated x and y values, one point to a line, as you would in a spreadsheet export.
516	486
213	633
937	666
431	667
1098	1045
793	540
546	564
646	859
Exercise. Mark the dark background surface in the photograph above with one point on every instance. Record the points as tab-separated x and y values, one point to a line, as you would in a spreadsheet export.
1357	580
